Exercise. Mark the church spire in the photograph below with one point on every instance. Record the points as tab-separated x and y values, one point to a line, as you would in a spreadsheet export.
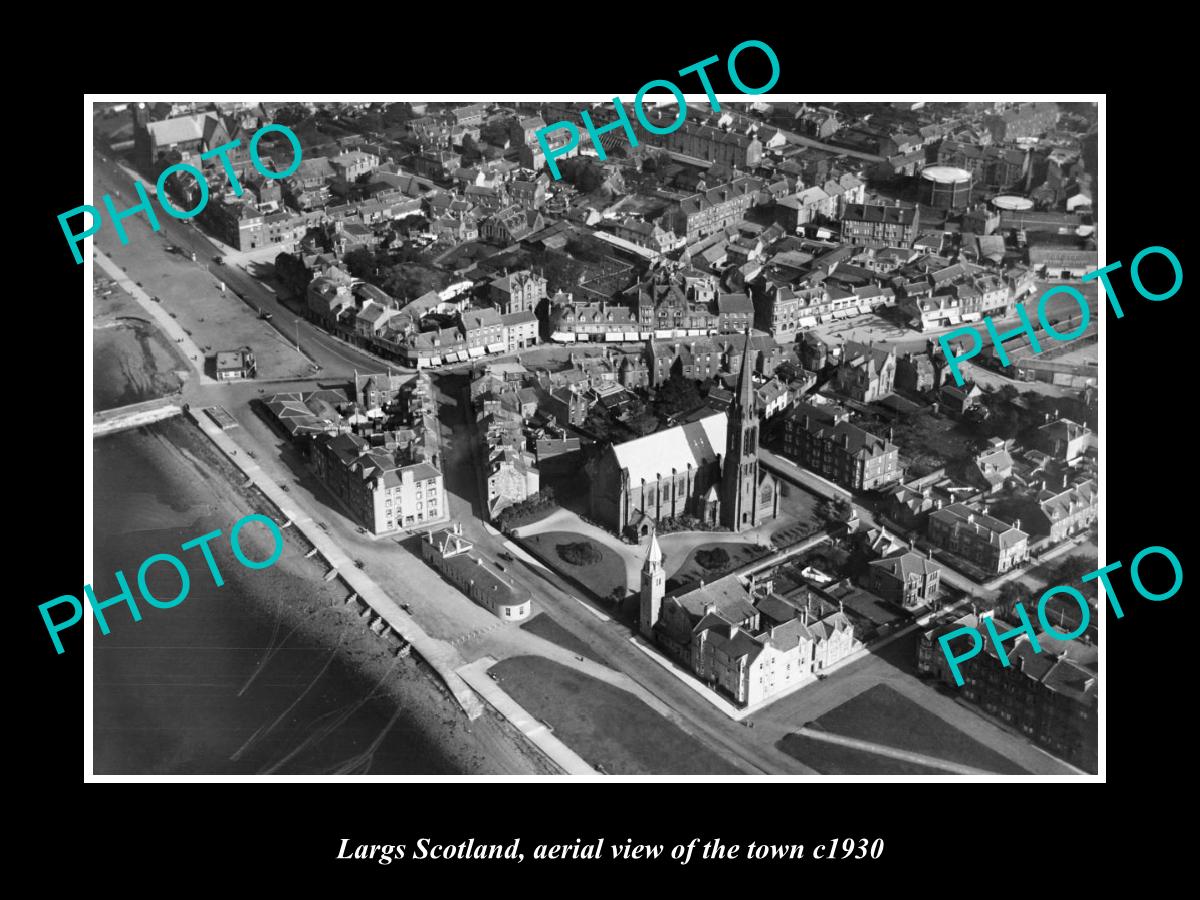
745	386
654	555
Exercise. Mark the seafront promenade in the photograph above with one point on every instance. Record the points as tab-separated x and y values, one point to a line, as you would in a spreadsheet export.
441	655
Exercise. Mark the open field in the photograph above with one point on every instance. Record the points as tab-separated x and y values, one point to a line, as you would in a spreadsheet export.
605	725
545	627
885	716
833	759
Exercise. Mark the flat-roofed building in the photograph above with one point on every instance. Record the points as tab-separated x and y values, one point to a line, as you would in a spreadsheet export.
235	364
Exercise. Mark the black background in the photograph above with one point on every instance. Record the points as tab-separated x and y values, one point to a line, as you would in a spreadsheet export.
950	836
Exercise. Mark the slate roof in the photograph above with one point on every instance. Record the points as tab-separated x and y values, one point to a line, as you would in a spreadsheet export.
697	443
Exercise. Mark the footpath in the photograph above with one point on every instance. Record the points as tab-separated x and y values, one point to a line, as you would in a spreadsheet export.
537	732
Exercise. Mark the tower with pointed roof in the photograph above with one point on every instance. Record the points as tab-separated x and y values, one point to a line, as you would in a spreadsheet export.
739	469
654	586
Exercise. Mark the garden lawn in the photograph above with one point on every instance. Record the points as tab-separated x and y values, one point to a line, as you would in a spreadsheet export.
599	578
605	725
739	555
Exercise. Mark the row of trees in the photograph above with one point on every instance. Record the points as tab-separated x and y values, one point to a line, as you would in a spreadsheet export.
526	510
402	274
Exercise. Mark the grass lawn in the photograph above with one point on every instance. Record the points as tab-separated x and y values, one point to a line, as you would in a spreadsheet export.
739	555
600	578
604	724
798	512
885	716
833	759
545	627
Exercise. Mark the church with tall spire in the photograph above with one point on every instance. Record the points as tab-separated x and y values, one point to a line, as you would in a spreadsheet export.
706	467
747	496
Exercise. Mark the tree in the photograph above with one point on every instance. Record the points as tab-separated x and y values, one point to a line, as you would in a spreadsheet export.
470	149
676	395
360	262
290	272
1011	593
589	178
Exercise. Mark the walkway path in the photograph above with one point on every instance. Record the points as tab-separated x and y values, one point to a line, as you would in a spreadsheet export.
563	756
438	653
882	750
134	415
193	354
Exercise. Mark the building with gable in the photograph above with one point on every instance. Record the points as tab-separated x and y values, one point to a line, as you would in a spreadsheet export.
450	553
380	489
825	441
907	579
992	544
520	291
740	637
866	373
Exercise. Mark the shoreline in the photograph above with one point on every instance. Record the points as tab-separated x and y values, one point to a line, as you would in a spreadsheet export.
487	746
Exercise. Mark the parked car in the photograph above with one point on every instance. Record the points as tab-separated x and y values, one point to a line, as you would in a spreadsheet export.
219	260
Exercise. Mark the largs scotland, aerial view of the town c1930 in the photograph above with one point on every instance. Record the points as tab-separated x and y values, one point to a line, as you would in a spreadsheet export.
654	468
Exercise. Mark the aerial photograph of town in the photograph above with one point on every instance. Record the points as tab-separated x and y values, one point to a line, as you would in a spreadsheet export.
594	450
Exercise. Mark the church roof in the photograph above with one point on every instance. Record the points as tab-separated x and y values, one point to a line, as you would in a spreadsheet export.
656	454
